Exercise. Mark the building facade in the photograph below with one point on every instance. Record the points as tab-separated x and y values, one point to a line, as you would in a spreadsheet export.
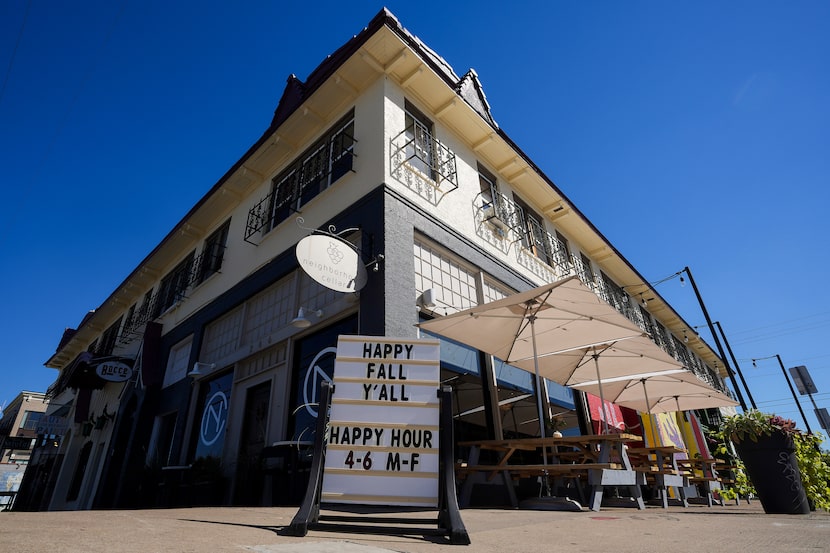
170	391
21	429
19	426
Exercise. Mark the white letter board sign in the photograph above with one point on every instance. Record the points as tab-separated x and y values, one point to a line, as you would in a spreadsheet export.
383	435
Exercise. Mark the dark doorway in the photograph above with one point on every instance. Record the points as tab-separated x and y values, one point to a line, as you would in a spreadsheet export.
252	441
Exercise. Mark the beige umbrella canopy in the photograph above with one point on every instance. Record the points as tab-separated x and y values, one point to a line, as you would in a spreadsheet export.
561	316
662	393
634	358
625	359
561	331
531	328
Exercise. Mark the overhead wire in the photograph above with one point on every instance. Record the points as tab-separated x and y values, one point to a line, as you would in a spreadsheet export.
781	328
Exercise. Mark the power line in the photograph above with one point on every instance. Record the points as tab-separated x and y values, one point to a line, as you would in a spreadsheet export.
779	323
783	328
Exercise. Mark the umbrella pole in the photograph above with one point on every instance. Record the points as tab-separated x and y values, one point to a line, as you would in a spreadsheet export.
651	422
532	319
603	414
683	425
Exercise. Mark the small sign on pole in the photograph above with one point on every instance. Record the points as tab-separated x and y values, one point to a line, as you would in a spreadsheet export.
823	418
803	381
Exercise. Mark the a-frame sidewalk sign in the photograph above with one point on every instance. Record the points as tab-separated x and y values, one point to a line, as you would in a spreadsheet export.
384	438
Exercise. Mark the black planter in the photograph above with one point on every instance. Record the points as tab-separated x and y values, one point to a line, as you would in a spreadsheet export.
773	469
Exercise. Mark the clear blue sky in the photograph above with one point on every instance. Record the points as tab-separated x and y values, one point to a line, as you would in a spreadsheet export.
691	133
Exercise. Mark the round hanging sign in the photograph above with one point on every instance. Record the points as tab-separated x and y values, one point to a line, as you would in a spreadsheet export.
331	262
114	371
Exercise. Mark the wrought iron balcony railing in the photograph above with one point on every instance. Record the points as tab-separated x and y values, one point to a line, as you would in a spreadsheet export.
417	149
206	264
305	178
498	211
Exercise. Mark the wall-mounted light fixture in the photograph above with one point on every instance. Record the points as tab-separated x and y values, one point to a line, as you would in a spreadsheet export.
302	321
200	369
427	298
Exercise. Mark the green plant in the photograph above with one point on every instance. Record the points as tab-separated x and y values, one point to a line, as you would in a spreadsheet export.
740	486
752	424
556	423
722	449
815	472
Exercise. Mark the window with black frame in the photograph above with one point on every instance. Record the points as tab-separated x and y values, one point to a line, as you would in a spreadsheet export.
210	262
584	271
420	149
534	235
314	357
489	190
108	338
313	172
174	284
208	436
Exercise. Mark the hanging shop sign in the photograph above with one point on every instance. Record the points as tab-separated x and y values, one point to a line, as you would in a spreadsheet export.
114	371
52	424
18	442
332	262
383	433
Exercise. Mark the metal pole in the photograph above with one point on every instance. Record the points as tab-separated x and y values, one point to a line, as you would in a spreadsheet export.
737	367
651	421
604	413
729	370
795	397
540	387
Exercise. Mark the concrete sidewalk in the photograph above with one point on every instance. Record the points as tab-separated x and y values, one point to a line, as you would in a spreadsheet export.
260	529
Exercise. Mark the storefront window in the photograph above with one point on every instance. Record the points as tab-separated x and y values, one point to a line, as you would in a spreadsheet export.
313	364
212	416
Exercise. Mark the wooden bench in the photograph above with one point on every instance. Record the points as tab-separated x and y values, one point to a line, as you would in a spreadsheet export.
524	471
701	473
659	469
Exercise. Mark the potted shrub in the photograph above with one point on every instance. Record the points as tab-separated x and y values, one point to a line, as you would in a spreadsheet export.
555	426
765	443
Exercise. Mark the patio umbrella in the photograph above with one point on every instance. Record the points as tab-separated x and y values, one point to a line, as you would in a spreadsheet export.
531	328
659	393
599	365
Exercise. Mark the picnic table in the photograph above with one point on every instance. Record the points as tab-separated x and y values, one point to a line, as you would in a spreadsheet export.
659	465
601	459
701	473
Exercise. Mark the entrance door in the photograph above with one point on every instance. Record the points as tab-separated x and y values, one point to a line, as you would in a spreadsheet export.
249	478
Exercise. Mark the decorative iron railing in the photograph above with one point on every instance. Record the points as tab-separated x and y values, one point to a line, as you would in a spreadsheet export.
303	180
419	150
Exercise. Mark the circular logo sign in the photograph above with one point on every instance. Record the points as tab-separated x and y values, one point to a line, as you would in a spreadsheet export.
313	377
214	418
331	262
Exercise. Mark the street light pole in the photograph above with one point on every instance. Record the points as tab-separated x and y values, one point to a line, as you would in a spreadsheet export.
795	397
729	370
737	366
